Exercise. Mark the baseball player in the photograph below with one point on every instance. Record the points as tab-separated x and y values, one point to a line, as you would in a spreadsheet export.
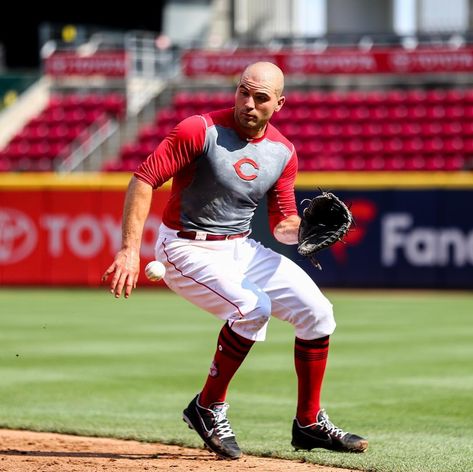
222	164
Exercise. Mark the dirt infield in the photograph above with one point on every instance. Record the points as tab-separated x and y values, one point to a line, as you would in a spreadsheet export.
23	451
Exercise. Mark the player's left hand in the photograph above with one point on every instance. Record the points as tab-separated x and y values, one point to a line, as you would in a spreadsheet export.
324	221
125	269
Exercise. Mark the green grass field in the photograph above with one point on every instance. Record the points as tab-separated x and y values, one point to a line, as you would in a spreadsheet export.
400	372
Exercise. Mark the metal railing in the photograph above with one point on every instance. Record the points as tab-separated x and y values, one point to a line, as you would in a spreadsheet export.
83	149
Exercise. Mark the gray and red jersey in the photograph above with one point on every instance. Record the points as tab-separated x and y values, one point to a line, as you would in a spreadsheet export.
219	176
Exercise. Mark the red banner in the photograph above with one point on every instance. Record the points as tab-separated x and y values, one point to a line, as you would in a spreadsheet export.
66	237
109	64
333	61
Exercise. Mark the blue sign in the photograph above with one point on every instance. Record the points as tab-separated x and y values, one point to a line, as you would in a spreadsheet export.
413	238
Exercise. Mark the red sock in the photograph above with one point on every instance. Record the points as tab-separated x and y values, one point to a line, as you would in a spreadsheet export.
231	352
310	358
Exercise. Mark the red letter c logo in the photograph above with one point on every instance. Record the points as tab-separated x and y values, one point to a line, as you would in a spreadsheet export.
239	164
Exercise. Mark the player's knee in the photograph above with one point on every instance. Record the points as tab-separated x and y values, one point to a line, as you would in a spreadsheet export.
316	322
254	322
261	313
325	325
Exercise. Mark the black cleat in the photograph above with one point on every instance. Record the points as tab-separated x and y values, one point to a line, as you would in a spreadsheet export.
212	425
324	434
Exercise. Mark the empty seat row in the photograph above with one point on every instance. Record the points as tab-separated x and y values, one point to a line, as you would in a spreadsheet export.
420	162
334	98
369	130
113	103
46	132
66	119
387	146
362	114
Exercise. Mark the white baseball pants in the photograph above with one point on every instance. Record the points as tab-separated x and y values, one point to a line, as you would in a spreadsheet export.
244	283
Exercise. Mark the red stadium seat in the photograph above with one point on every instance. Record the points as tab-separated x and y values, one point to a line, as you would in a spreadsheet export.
433	145
455	162
353	146
290	130
373	146
416	96
182	99
413	145
114	104
331	130
391	129
452	128
301	114
355	162
396	97
454	96
468	96
340	113
409	129
375	162
394	162
371	130
415	162
455	112
359	113
297	98
310	130
375	98
357	98
379	113
393	145
352	130
436	96
453	145
467	128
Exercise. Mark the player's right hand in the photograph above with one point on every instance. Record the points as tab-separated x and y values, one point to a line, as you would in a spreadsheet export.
125	269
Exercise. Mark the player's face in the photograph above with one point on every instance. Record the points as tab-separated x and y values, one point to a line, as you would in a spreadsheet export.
255	102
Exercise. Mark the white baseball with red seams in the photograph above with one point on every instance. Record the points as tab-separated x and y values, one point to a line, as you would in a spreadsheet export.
155	271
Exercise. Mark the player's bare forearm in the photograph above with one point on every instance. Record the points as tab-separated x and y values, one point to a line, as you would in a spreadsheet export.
135	211
286	231
126	265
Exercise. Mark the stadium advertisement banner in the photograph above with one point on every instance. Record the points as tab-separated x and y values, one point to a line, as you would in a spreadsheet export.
402	238
332	61
69	237
108	64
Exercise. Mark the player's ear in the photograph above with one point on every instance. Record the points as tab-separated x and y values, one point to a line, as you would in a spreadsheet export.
281	101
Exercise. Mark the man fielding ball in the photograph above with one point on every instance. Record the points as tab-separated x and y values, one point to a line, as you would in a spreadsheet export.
222	164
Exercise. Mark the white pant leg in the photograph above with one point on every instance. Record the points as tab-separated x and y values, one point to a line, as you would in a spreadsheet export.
207	274
294	295
243	282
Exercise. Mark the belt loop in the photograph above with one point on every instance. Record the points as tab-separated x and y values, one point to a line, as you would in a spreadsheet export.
200	235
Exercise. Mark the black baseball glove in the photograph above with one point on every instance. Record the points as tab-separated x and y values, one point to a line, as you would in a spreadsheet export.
324	221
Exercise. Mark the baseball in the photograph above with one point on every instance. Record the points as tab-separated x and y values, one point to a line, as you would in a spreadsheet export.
155	271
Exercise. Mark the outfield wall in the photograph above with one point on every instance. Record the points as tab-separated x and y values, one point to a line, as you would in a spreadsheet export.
412	229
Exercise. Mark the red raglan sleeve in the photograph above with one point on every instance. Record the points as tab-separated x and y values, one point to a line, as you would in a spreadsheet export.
281	197
178	149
